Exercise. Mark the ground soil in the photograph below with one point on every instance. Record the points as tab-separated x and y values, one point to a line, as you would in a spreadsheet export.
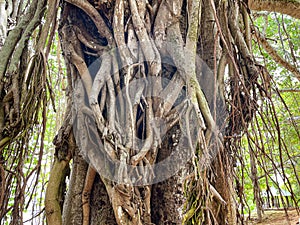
277	217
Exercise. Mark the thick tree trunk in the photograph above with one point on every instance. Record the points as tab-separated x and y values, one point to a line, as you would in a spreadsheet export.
167	197
178	49
167	201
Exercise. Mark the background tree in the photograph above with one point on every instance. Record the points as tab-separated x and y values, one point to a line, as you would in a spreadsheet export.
24	96
110	47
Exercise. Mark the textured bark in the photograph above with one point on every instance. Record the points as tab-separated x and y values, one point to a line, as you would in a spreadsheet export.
72	209
167	201
168	198
101	209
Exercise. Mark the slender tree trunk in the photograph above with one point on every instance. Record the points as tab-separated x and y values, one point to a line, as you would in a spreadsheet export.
256	186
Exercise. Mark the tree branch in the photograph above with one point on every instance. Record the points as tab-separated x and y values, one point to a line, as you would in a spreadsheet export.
289	7
274	54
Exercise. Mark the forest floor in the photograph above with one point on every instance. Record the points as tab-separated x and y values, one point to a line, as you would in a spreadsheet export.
277	217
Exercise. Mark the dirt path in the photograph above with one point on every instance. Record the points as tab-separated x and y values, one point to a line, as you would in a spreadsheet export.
277	217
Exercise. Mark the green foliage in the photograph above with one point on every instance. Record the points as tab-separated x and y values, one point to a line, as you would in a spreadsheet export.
282	32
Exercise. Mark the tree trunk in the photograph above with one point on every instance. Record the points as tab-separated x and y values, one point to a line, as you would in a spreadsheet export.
148	100
256	186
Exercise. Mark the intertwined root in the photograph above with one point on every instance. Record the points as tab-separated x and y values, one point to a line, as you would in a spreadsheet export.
131	41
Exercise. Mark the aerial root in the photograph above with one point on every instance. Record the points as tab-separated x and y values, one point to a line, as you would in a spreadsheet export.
86	193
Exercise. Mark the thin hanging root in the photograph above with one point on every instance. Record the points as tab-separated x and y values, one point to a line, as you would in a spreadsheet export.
89	181
247	28
83	70
2	182
147	199
187	119
221	71
170	93
103	98
194	10
138	157
223	38
51	14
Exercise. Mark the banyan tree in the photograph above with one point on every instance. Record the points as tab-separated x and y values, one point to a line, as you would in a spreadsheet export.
158	93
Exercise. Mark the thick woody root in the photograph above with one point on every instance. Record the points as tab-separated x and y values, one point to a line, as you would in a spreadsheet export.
89	181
